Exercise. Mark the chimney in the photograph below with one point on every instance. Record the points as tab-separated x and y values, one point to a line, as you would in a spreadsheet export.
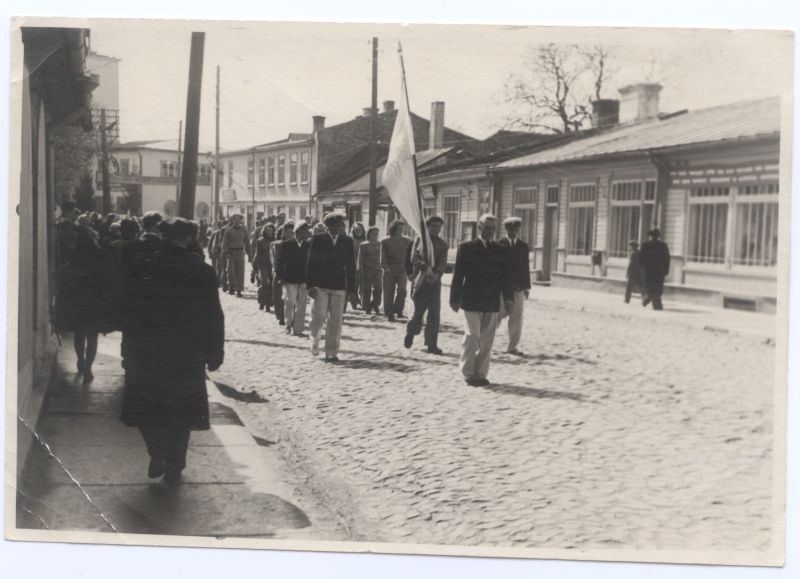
436	135
367	112
319	122
388	106
639	102
605	113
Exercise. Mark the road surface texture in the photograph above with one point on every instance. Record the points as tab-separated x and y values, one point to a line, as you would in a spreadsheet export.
621	427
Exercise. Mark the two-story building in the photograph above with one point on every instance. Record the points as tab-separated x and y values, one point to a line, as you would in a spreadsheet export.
145	176
270	179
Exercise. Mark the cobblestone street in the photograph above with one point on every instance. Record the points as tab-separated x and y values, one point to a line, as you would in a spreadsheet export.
612	432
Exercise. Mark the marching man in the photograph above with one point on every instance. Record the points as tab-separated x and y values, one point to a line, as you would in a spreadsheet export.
519	273
480	281
291	270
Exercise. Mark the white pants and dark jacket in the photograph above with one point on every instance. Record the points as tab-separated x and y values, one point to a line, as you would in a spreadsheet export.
519	275
480	282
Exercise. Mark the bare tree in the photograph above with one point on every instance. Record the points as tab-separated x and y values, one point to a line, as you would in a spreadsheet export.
551	94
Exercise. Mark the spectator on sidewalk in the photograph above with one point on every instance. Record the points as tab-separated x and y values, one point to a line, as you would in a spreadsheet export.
654	258
480	281
291	271
330	278
262	264
235	245
519	272
369	271
635	273
426	288
285	232
395	278
178	333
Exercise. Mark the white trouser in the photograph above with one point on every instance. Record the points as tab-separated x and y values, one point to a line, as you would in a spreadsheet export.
514	319
476	353
295	298
328	305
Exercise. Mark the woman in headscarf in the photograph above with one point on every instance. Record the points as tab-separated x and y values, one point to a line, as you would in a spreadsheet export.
262	266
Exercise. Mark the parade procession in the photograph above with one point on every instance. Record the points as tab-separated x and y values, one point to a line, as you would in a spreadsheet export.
383	330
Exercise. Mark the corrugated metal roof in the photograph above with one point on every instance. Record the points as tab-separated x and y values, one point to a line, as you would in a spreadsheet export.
721	123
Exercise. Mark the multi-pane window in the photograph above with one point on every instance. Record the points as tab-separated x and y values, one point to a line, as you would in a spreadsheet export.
708	224
204	170
525	208
230	174
755	240
281	169
303	212
251	163
271	171
292	210
124	166
304	167
262	172
580	224
552	194
451	212
293	169
168	168
428	207
632	210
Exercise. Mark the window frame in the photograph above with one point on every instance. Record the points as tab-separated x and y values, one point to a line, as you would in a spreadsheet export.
262	172
293	173
575	207
304	167
281	169
527	208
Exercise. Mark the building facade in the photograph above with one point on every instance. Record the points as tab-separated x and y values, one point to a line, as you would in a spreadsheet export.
271	179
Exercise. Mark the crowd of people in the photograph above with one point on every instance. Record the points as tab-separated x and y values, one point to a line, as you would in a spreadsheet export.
149	279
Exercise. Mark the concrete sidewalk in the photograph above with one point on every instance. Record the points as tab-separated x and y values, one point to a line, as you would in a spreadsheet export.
88	470
757	325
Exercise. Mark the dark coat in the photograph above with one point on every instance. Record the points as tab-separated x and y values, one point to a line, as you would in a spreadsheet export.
635	271
481	277
519	265
291	266
654	258
329	266
179	329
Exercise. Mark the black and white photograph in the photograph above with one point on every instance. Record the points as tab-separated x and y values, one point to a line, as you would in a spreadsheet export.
467	289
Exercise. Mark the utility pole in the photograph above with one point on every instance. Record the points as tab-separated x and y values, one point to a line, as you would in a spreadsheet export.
189	169
104	163
217	170
178	186
373	179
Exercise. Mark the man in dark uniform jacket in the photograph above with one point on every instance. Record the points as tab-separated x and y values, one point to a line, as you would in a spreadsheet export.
178	332
654	259
480	281
291	271
330	277
519	272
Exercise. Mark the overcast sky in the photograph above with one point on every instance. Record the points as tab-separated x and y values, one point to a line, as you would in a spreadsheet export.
275	76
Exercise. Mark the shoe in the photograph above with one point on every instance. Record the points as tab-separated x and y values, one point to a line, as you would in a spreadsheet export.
645	302
260	306
390	318
477	381
435	350
409	340
231	292
401	316
331	358
156	468
314	349
281	323
80	367
87	375
172	476
515	352
300	335
238	294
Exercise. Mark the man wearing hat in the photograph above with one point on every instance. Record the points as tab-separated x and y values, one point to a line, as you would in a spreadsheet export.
519	272
235	244
480	281
330	277
654	258
291	270
426	289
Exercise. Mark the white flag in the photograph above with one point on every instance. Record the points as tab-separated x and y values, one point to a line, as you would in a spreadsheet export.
399	175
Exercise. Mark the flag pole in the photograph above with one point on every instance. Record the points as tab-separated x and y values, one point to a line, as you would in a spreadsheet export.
423	227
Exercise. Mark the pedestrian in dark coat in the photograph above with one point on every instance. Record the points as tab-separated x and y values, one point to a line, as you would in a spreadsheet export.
634	273
480	281
519	273
262	265
369	272
654	258
177	334
359	234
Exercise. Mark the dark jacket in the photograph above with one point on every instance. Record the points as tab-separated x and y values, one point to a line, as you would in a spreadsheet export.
329	266
634	270
654	258
291	267
481	277
519	265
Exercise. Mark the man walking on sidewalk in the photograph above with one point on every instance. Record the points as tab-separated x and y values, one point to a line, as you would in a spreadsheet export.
519	273
178	331
235	245
291	271
330	277
654	258
426	290
480	281
395	278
